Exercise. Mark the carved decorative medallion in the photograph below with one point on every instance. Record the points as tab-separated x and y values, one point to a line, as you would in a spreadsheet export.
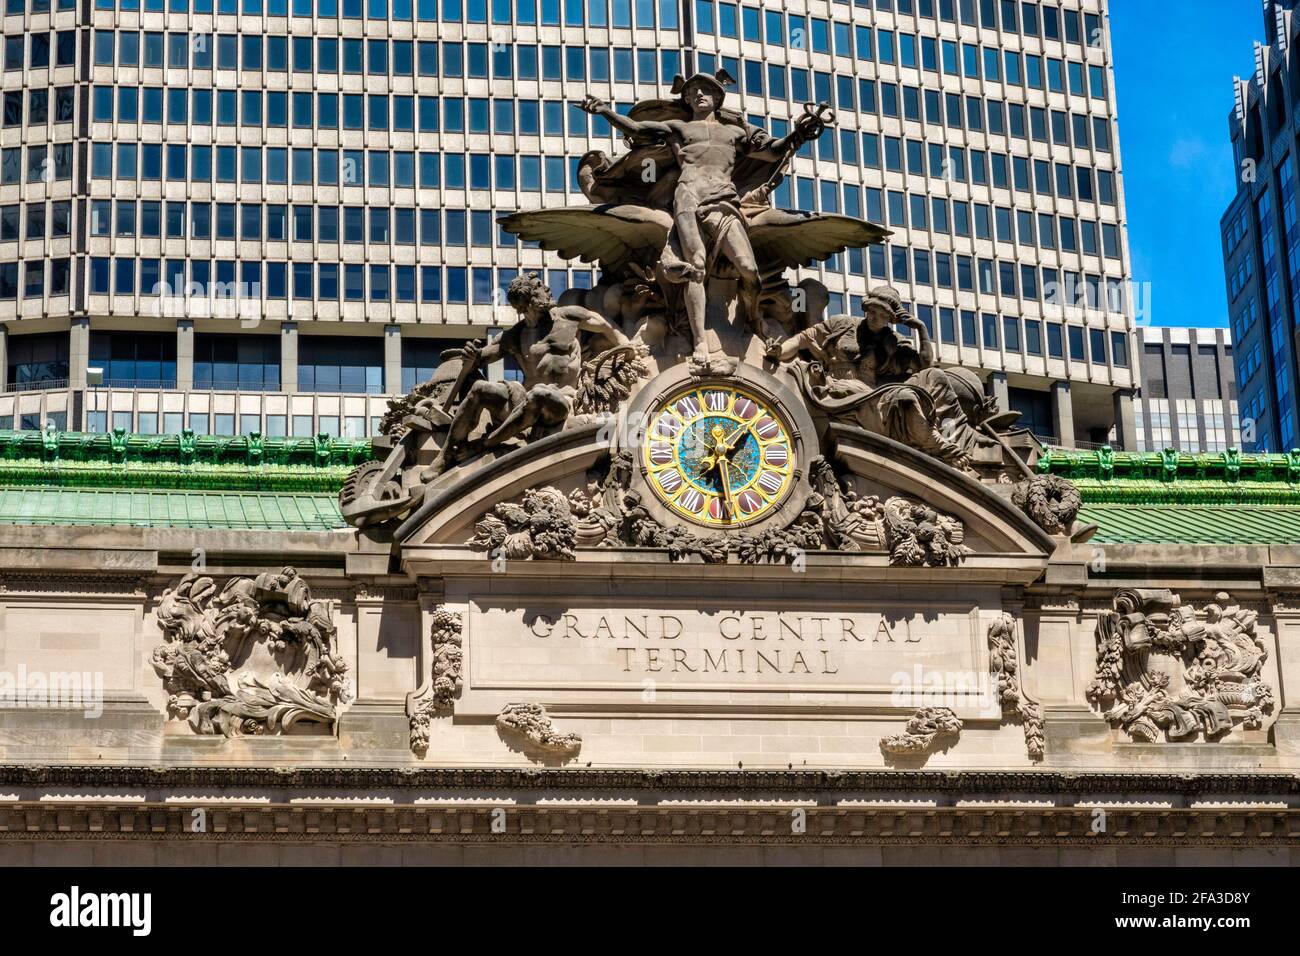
258	656
1164	670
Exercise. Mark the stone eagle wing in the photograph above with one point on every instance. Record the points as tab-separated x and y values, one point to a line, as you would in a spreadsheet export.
784	239
610	235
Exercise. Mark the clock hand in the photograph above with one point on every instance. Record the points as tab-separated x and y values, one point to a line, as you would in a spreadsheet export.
730	438
725	472
715	449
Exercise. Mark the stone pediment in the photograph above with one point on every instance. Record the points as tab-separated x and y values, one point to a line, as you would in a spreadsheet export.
860	500
453	508
991	519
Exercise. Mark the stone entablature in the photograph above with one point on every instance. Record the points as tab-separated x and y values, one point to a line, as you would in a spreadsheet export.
760	666
584	807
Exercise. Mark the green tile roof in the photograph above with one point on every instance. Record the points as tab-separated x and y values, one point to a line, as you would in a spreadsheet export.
1170	476
1173	498
175	481
140	508
316	465
1193	524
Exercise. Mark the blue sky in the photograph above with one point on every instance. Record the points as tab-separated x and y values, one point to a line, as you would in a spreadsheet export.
1174	64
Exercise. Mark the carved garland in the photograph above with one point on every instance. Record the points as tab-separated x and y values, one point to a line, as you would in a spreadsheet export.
925	726
533	723
445	683
1004	664
257	657
545	524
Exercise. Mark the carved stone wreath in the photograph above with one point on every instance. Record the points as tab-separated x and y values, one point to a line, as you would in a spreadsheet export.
1052	502
257	657
545	524
1163	670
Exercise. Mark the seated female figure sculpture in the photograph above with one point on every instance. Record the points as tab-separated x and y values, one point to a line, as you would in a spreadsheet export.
864	372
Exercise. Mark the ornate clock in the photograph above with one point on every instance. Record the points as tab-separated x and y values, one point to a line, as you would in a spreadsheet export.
719	454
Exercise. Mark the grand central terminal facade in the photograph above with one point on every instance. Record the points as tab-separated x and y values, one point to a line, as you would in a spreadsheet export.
721	578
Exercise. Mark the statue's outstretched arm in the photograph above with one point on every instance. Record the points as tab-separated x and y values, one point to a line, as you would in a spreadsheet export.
776	149
598	107
807	127
784	351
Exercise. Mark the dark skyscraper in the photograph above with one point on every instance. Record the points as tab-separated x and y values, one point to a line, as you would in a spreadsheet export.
1261	236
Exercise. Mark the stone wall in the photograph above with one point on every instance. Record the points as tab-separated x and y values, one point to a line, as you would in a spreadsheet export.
546	668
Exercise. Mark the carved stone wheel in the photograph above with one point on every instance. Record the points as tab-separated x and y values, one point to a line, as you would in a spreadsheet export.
361	504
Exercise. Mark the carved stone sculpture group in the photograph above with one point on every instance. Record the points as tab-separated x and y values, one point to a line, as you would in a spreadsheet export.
257	656
1165	672
694	261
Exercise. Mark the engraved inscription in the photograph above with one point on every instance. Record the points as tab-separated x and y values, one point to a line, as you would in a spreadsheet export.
743	643
717	650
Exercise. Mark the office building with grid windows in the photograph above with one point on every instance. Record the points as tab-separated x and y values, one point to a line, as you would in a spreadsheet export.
1187	398
239	215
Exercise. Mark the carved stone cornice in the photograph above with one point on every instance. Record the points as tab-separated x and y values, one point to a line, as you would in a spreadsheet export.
51	582
1052	603
1285	602
1079	786
340	595
384	592
672	824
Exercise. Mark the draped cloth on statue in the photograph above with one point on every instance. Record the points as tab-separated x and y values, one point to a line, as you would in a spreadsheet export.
922	411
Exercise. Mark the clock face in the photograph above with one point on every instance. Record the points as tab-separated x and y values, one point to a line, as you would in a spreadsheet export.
718	455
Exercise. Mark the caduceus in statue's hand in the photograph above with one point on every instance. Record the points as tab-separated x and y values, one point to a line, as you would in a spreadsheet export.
708	225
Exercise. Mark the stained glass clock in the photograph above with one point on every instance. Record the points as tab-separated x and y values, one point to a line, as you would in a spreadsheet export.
719	454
